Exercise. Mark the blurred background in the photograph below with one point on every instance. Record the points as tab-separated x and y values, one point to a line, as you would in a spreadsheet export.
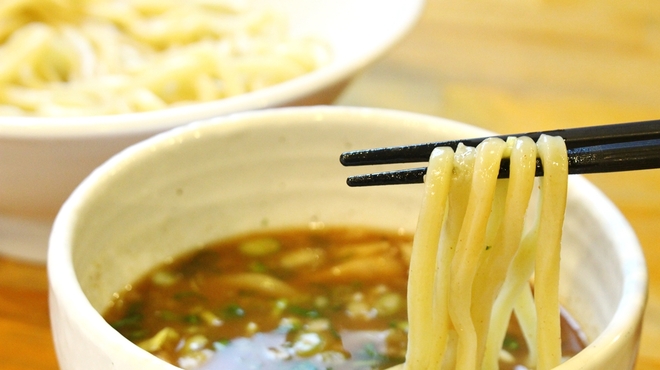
513	63
506	65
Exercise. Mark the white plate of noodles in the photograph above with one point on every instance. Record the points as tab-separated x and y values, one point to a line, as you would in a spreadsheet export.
82	79
86	58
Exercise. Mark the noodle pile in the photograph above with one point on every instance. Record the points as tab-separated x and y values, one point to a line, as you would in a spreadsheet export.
94	57
475	251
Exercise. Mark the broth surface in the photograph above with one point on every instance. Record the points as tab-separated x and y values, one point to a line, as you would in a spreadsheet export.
293	299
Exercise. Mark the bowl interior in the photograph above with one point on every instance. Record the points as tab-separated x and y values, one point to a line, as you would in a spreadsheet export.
271	169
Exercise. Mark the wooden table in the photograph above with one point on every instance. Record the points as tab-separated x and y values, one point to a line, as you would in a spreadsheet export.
506	65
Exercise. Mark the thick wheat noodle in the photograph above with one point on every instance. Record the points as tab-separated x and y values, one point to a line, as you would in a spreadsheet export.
503	238
461	181
469	249
518	193
423	263
473	256
546	286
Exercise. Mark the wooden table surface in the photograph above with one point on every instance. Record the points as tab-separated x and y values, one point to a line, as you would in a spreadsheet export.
505	65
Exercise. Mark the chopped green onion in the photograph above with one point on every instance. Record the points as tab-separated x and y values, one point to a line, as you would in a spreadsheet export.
389	303
510	343
221	344
167	315
164	278
136	335
195	343
156	342
192	319
308	344
318	325
400	325
304	312
233	311
251	328
259	247
288	324
258	266
130	319
370	350
321	302
279	306
210	318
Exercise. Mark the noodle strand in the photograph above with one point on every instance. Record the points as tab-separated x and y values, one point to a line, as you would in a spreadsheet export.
469	248
552	152
422	265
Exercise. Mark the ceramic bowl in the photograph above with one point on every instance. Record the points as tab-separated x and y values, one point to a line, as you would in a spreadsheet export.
42	159
279	167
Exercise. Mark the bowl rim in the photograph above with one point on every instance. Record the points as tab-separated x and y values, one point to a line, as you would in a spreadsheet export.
337	71
64	286
634	290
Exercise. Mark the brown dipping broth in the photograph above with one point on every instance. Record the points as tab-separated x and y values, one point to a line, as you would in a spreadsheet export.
313	299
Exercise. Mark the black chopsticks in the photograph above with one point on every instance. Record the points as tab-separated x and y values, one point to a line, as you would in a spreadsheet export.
592	149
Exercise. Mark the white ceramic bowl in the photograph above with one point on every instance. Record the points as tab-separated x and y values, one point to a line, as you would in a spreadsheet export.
201	182
43	159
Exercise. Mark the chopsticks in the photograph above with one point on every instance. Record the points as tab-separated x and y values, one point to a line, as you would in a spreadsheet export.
592	149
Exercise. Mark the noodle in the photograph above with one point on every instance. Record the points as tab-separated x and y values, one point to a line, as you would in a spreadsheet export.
423	261
546	285
91	57
473	256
